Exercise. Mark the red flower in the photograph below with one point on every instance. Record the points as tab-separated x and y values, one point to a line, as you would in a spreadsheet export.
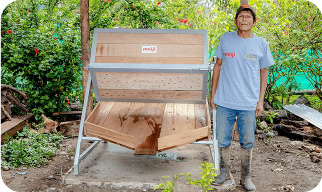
309	27
2	32
186	20
256	19
27	11
81	58
159	2
60	88
215	23
275	50
108	1
63	65
10	32
68	102
181	21
157	22
285	32
55	38
36	50
190	25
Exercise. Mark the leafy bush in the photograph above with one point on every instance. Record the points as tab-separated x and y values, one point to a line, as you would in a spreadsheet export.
29	148
40	53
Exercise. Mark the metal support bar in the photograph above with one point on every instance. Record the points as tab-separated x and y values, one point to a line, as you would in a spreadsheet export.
88	150
79	157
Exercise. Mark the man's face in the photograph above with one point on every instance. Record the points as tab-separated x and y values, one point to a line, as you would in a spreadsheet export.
245	21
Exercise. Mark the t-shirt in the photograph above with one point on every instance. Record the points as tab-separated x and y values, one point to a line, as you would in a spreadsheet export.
239	81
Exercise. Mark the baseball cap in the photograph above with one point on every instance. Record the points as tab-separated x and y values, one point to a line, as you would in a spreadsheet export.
246	7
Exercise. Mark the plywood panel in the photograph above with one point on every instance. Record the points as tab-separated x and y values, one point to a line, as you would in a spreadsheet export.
151	60
109	135
201	116
135	50
100	113
117	117
158	38
149	81
146	94
176	140
178	118
144	124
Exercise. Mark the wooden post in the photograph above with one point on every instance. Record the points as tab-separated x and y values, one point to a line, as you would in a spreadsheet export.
86	50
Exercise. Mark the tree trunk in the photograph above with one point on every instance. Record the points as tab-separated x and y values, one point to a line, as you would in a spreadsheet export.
86	50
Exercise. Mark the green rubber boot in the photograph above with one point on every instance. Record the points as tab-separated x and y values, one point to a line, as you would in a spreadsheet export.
246	161
224	166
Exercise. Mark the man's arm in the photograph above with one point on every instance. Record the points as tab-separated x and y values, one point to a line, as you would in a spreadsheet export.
263	84
215	79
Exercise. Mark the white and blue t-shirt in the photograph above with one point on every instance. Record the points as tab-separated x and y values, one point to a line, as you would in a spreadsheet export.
239	81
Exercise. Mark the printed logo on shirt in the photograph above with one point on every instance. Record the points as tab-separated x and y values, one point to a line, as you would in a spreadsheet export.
251	57
231	54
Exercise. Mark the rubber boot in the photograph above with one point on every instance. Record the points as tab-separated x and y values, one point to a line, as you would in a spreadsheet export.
224	166
246	161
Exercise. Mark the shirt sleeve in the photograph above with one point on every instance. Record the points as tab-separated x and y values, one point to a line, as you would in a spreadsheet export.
267	59
219	52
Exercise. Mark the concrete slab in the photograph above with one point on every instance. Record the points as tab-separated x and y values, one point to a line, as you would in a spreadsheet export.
110	164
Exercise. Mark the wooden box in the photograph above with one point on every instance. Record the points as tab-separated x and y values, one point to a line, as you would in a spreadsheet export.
151	86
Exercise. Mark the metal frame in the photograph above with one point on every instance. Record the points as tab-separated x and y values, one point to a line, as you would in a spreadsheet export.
93	67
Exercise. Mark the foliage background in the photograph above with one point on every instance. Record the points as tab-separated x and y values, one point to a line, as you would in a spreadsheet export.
51	76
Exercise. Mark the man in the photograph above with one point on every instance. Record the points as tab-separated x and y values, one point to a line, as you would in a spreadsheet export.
238	89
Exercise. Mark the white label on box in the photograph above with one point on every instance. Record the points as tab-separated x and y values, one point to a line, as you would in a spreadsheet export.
149	49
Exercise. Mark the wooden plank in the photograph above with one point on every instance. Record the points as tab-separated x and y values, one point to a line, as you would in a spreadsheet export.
148	38
144	124
117	117
146	94
11	128
135	50
180	120
151	60
109	135
172	141
101	112
150	81
201	117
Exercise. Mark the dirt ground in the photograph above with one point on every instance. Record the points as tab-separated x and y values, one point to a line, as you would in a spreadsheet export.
278	165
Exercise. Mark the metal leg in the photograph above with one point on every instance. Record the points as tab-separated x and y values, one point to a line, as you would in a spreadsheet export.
81	128
215	155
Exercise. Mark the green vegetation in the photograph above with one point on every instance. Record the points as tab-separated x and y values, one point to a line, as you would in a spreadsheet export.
29	148
207	177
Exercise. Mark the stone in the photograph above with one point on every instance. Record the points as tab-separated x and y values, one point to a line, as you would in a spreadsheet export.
296	143
263	124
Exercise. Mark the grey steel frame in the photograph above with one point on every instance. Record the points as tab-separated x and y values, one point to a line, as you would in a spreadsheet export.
142	68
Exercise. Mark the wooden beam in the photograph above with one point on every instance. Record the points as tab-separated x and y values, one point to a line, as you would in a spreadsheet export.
86	50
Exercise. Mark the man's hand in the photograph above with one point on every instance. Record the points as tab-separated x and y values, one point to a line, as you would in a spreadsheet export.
259	109
212	104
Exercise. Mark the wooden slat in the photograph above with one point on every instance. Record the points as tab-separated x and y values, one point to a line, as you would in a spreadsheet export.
150	81
100	112
161	38
109	135
178	118
135	50
116	119
144	124
146	94
176	140
151	60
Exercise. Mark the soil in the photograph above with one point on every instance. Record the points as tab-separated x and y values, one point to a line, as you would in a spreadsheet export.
279	164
